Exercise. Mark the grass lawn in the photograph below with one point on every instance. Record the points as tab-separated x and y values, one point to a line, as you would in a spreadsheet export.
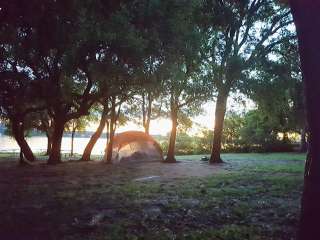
251	196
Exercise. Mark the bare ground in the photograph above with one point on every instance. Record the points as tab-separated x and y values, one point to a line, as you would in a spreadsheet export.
242	199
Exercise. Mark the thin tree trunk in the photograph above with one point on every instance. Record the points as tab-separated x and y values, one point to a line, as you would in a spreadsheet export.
285	138
149	109
108	132
144	113
18	133
307	20
55	155
94	138
172	142
108	151
220	112
72	140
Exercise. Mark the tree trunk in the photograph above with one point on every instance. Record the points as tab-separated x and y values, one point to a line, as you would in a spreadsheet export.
285	138
18	133
21	158
303	141
147	127
172	142
108	131
149	109
307	20
146	112
55	155
220	112
72	141
49	144
94	138
108	152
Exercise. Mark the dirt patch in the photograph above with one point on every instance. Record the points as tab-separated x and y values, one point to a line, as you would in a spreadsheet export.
125	171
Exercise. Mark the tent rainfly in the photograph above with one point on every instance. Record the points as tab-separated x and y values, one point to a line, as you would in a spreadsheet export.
135	146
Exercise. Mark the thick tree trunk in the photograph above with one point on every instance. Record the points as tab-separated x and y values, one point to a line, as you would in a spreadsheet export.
172	142
307	20
94	138
220	112
55	155
303	141
18	133
49	144
72	141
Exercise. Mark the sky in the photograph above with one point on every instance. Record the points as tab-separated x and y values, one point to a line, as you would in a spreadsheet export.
162	126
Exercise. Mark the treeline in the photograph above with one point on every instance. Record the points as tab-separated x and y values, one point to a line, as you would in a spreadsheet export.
66	63
252	131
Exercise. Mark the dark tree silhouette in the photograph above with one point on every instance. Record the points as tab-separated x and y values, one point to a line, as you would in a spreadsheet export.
307	20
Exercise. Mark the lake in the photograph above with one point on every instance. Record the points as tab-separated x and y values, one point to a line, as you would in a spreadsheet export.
39	144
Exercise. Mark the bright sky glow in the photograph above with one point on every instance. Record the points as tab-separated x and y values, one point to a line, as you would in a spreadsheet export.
162	126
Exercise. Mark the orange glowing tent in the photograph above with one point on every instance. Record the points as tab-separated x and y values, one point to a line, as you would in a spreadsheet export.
135	146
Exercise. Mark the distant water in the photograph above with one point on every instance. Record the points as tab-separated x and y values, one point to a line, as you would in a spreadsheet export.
39	144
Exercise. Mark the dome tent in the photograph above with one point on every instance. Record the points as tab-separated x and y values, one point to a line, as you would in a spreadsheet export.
135	146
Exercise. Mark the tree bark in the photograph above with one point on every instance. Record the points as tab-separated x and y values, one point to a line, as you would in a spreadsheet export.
146	112
108	152
94	138
172	142
18	133
21	158
49	144
307	20
285	138
72	140
149	109
221	106
55	155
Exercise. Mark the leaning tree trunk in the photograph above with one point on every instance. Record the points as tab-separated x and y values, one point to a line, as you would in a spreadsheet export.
18	133
55	155
172	142
220	112
307	20
94	138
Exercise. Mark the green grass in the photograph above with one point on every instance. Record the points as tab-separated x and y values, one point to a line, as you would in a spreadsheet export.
251	156
252	196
